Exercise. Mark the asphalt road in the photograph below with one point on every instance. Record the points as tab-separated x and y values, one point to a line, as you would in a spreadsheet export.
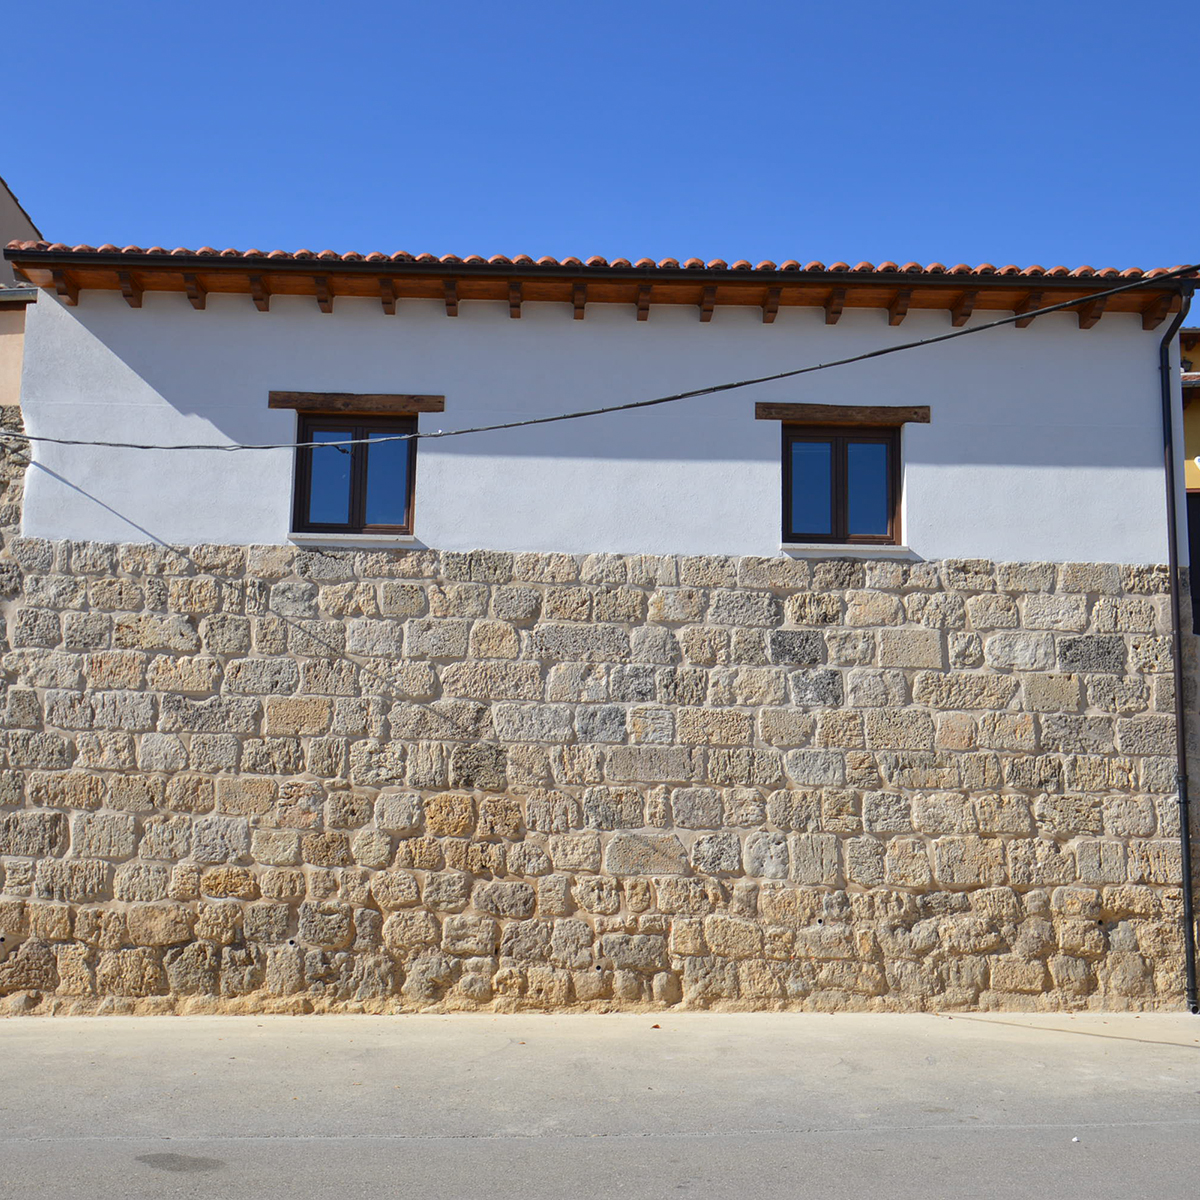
763	1106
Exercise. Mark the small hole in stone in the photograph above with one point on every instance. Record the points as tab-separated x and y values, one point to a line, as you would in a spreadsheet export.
819	921
292	943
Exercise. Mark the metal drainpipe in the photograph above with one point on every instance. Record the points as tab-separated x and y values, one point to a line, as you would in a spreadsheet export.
1181	771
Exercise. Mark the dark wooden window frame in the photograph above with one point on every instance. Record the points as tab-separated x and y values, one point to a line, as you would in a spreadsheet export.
354	427
840	436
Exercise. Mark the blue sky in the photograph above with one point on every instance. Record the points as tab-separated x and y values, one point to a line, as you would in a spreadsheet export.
1049	132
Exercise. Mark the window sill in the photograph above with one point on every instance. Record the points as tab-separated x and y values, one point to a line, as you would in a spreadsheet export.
376	541
844	550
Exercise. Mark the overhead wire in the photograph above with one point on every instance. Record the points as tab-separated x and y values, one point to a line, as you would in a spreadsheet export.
712	389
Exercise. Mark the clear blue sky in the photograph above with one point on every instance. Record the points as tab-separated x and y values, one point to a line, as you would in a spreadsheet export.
1043	132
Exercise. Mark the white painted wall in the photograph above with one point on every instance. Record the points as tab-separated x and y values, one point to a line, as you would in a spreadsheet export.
1044	443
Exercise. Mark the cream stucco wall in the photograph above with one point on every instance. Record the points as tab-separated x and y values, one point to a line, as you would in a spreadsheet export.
1044	442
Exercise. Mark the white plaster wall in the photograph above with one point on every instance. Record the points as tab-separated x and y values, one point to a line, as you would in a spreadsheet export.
1044	443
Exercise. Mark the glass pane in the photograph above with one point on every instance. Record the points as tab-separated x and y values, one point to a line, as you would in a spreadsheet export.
812	476
329	493
867	488
387	481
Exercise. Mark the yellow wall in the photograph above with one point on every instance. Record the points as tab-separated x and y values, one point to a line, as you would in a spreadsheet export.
1191	444
12	341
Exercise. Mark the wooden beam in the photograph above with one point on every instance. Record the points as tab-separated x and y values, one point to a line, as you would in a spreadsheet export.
1091	312
66	287
1157	310
770	306
834	305
579	299
707	300
643	302
324	293
898	308
879	415
261	293
197	293
387	296
373	403
1031	302
961	311
514	298
130	289
450	291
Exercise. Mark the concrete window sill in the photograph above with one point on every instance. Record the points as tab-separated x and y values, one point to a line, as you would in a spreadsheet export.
376	541
844	550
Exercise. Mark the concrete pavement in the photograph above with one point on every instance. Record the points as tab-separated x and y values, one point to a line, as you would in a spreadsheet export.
631	1106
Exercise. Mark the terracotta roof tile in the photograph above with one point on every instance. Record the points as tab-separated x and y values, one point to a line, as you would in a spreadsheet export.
599	262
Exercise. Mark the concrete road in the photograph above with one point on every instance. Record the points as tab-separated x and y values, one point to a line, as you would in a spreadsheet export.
760	1106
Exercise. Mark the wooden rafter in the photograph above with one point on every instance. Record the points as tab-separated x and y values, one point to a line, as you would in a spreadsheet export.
66	287
579	299
898	308
387	296
1156	311
197	293
834	305
514	298
707	301
1091	312
770	308
261	293
643	302
1031	302
960	313
324	293
130	289
450	291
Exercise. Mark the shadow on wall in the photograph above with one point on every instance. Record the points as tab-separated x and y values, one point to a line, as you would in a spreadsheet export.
1044	396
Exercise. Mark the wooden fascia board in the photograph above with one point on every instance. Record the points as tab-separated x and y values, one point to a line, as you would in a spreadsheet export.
995	293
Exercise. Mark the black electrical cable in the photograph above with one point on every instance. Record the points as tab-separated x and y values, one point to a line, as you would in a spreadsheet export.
1156	280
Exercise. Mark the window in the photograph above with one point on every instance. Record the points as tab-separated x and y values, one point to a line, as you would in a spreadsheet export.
841	484
355	489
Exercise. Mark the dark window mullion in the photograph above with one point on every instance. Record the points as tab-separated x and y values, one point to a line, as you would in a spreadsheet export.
840	519
358	481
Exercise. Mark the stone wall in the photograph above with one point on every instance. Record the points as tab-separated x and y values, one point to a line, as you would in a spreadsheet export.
268	779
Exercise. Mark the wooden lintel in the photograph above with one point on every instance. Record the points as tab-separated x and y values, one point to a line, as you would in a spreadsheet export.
579	299
770	306
961	311
643	302
514	298
898	308
707	301
834	305
1091	312
66	287
197	293
130	289
450	290
261	293
1031	302
374	403
324	293
1157	310
878	415
387	296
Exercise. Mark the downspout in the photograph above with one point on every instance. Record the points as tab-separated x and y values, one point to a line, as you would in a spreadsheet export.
1166	379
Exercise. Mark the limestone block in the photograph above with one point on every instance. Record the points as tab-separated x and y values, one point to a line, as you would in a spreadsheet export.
644	854
34	834
717	854
814	858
